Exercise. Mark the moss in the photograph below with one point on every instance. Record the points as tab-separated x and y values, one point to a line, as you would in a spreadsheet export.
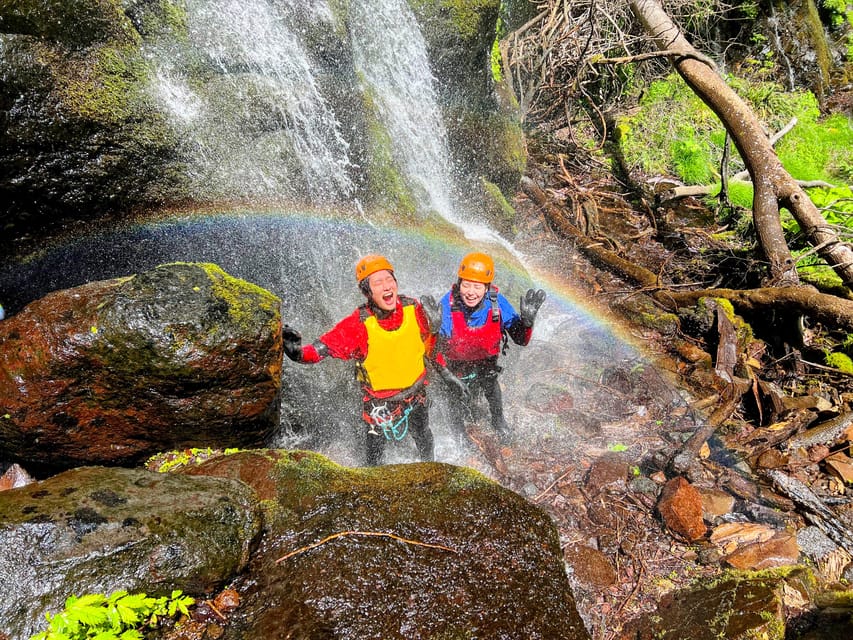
498	207
465	15
840	361
107	87
244	299
383	176
742	328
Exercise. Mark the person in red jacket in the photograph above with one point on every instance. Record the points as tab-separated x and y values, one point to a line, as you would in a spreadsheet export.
390	340
475	320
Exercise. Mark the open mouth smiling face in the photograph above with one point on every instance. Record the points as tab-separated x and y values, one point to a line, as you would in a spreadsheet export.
383	290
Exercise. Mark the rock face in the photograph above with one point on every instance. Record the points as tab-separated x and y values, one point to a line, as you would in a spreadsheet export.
404	551
98	530
87	122
181	356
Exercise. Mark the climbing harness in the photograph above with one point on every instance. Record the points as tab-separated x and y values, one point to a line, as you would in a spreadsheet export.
383	417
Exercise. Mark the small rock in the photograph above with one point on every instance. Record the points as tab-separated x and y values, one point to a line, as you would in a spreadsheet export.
778	552
715	503
609	471
680	506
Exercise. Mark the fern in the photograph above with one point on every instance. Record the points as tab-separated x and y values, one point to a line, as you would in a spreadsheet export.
120	616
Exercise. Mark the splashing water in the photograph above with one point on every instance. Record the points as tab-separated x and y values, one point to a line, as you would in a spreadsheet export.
260	127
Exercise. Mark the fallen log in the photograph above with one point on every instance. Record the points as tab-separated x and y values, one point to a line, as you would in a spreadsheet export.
825	433
814	510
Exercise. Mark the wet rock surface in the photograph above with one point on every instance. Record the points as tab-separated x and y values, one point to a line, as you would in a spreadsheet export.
100	529
402	551
109	372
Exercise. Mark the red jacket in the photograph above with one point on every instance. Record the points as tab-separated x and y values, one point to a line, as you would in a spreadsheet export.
347	340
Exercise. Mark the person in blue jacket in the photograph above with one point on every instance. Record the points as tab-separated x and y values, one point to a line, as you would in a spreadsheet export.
475	320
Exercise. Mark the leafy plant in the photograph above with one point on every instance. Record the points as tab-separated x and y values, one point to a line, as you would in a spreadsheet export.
119	616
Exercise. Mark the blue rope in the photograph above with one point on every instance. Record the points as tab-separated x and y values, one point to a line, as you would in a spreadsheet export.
380	416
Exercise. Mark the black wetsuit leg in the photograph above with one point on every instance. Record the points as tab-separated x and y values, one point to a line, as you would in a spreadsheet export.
492	390
419	428
374	444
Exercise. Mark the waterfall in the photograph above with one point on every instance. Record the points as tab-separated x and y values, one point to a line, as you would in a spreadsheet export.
259	126
391	57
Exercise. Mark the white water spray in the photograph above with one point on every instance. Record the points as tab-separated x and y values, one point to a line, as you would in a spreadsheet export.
260	126
391	58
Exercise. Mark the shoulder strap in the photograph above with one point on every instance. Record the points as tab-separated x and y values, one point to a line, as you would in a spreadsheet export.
496	317
496	309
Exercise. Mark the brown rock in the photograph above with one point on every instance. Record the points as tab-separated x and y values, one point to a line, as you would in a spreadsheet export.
715	503
590	566
680	506
110	372
608	471
780	551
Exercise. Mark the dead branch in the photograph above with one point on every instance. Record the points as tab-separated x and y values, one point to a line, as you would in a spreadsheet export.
379	534
657	54
803	300
815	511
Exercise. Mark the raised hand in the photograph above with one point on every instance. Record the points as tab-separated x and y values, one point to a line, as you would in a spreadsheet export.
432	310
292	343
530	303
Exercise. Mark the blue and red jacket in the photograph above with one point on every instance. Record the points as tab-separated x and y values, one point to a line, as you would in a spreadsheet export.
348	340
474	335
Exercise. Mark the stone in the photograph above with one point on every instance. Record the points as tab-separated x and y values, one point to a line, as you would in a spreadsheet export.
780	551
99	529
680	506
424	550
736	608
715	503
610	471
110	372
590	567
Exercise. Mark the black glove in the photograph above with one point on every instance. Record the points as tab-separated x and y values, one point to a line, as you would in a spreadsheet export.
530	303
292	343
455	383
432	310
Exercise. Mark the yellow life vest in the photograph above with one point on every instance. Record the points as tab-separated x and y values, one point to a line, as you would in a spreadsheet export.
395	359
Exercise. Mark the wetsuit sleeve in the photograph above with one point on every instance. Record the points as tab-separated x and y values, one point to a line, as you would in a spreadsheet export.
345	341
512	323
426	334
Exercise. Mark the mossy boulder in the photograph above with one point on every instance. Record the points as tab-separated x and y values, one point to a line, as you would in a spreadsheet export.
422	550
80	134
99	529
183	355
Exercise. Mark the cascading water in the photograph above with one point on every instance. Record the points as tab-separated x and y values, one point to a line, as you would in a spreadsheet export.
261	127
391	57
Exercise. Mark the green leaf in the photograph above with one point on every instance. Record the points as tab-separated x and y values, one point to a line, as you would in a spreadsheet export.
128	615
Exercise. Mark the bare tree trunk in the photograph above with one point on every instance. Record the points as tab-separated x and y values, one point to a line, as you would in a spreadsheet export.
774	187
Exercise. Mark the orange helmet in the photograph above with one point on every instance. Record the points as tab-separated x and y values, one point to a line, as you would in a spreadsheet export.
369	265
477	267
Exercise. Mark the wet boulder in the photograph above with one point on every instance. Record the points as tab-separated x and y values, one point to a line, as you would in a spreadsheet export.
423	550
101	529
180	356
738	606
